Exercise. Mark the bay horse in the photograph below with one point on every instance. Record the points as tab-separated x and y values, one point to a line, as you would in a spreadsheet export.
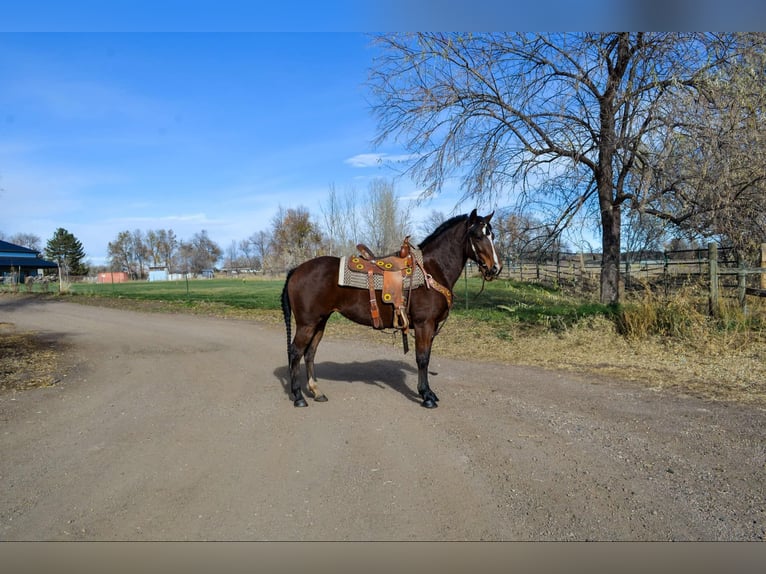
311	293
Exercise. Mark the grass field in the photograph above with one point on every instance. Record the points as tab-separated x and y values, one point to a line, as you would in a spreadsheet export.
236	294
501	302
661	343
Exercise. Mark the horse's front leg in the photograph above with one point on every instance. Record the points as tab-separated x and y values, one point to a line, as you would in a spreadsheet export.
424	338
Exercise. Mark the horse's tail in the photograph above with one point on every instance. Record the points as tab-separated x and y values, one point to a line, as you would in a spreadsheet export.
287	312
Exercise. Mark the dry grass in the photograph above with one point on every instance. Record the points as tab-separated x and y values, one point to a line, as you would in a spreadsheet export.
27	360
718	367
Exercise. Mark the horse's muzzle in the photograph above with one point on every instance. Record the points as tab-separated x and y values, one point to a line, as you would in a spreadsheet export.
491	273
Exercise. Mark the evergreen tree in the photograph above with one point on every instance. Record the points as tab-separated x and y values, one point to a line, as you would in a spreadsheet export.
67	250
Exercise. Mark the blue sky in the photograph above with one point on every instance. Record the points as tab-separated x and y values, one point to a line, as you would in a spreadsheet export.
193	114
101	133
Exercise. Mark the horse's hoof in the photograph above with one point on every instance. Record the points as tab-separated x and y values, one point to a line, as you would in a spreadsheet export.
301	402
429	404
321	399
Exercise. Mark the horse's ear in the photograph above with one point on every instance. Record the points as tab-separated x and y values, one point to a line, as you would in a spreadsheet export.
489	217
473	217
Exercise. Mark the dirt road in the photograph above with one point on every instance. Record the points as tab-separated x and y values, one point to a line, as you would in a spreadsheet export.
173	427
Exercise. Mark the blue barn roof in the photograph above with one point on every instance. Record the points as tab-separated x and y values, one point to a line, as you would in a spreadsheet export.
12	255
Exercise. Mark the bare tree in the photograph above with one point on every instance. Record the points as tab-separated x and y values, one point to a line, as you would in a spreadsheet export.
121	253
707	176
560	118
167	246
232	255
247	249
140	251
28	240
261	242
205	252
340	220
430	223
386	223
295	236
522	237
643	232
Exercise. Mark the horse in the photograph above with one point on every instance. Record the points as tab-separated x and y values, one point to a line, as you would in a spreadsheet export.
311	293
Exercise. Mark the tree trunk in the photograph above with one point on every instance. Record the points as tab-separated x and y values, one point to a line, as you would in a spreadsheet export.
610	213
608	204
610	261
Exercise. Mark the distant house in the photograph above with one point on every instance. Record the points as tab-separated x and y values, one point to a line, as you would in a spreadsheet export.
17	262
112	277
158	273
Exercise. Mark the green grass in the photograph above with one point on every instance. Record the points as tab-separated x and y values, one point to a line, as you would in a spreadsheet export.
501	302
524	304
229	292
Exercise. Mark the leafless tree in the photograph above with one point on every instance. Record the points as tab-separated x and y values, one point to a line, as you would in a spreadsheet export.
249	258
431	222
520	236
261	242
558	118
28	240
166	246
708	176
121	253
140	251
341	221
204	253
295	236
643	232
386	222
232	255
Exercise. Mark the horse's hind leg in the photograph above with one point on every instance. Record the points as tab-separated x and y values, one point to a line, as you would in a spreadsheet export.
295	386
303	337
308	356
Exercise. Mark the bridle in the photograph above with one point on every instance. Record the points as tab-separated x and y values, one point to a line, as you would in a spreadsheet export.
486	231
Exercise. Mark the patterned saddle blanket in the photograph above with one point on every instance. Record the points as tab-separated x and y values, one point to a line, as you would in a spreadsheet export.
392	277
351	275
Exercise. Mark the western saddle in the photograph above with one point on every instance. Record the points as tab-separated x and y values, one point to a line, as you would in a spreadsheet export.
394	269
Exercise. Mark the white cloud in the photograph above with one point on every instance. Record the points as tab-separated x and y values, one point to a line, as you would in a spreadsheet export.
377	159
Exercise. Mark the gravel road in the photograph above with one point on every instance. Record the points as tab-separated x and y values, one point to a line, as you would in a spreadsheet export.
176	427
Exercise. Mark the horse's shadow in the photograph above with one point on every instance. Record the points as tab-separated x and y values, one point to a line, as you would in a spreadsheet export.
381	373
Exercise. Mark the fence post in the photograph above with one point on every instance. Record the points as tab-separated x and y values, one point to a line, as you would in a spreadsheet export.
712	257
741	284
763	264
465	282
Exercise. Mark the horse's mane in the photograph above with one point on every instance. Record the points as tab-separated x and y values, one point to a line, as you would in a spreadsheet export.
449	224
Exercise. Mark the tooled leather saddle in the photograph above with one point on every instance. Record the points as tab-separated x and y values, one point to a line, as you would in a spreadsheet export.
395	270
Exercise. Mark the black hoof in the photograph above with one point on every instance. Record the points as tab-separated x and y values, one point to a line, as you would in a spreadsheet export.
429	404
301	402
321	399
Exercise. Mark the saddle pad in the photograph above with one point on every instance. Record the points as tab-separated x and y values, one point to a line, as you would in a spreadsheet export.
349	278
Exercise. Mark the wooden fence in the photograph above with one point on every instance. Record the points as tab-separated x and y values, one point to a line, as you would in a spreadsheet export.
717	269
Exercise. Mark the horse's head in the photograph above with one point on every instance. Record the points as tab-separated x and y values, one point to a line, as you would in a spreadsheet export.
482	245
